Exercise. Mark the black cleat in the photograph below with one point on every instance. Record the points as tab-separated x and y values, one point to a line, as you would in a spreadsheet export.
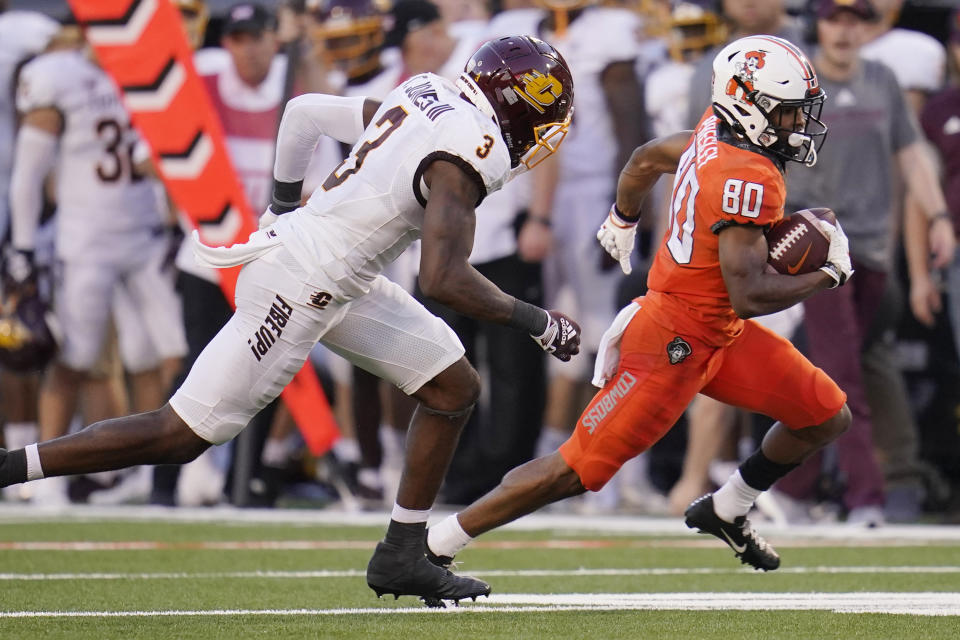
403	572
746	544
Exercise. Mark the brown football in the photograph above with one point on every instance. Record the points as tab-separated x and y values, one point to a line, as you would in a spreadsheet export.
797	245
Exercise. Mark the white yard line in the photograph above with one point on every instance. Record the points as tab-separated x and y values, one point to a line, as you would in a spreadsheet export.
922	604
490	573
690	542
618	525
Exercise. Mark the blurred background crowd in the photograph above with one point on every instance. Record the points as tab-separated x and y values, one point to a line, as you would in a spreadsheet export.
891	69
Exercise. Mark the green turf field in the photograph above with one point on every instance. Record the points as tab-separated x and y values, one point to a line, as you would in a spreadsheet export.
77	576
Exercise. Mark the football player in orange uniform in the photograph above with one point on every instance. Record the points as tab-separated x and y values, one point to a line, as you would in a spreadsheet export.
690	332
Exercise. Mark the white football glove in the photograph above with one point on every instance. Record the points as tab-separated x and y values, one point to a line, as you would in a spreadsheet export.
838	264
267	219
617	236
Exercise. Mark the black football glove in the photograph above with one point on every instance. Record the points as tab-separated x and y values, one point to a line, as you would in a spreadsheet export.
562	337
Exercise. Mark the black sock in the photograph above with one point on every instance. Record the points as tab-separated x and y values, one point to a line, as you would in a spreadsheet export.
406	534
760	472
13	467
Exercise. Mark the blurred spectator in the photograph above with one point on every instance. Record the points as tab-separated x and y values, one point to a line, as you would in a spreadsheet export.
110	242
941	124
23	34
917	59
601	45
245	82
743	18
871	130
940	120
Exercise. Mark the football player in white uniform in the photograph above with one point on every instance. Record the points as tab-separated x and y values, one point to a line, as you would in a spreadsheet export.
109	231
22	34
422	160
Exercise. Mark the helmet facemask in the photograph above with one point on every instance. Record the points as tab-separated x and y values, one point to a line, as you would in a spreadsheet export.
788	142
547	139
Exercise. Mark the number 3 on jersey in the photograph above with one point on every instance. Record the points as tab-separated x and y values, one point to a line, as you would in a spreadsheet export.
395	117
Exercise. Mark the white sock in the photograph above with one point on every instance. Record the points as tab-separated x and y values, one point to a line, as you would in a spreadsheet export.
370	478
18	435
277	451
447	538
409	516
734	498
347	450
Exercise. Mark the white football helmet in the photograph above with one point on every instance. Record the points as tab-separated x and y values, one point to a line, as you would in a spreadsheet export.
753	76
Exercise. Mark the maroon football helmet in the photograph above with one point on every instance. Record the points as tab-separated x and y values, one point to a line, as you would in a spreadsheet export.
529	88
28	334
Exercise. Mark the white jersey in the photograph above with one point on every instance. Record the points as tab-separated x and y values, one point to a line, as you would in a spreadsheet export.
494	236
597	38
102	203
665	93
917	59
249	117
371	207
22	34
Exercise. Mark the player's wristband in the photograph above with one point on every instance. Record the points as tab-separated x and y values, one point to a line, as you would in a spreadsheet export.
835	274
528	318
624	217
286	196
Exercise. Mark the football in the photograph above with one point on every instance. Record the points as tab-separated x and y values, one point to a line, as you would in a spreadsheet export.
797	245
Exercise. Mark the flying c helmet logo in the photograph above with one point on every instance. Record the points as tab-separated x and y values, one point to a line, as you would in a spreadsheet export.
539	90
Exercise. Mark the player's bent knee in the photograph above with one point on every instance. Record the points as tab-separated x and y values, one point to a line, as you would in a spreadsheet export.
455	389
180	444
547	476
830	429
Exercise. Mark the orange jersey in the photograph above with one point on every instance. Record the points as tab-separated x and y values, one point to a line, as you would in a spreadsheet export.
716	184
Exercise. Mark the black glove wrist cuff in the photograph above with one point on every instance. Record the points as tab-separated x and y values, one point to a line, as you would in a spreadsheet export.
835	275
528	318
286	196
624	217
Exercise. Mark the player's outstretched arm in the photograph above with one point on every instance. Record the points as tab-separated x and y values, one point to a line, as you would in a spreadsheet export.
753	289
447	276
647	163
305	119
35	155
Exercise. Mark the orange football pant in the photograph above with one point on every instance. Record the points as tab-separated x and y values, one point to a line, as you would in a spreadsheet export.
759	371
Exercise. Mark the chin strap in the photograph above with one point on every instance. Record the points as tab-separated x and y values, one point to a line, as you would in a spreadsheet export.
473	93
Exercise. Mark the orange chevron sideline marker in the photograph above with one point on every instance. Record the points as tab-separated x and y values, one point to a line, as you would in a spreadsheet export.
142	45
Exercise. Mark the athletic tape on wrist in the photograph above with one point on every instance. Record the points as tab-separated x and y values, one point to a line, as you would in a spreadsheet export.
528	318
34	469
